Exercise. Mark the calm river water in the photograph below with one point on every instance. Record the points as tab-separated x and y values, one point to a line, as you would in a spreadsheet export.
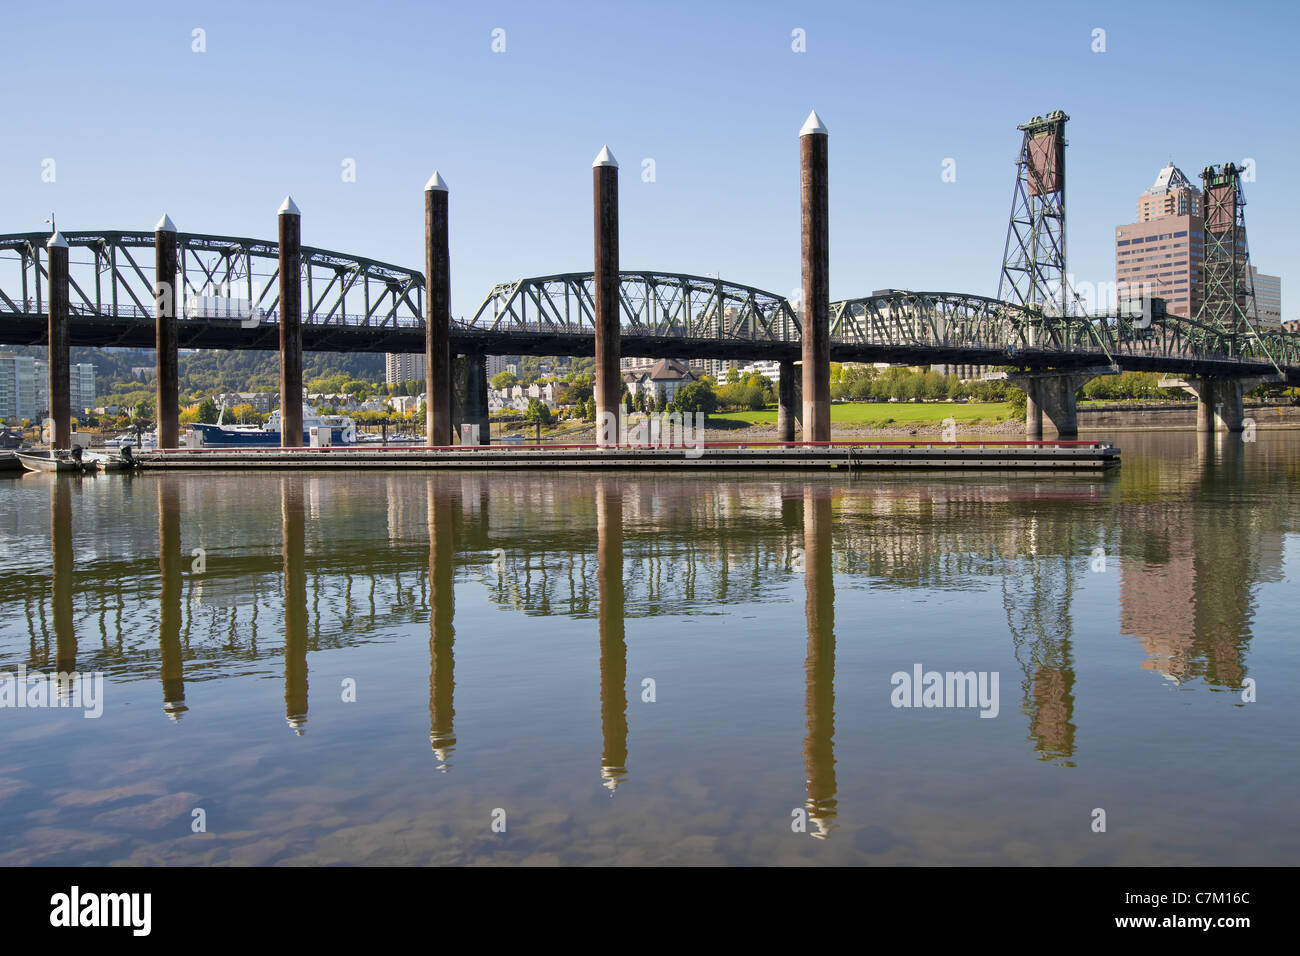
643	668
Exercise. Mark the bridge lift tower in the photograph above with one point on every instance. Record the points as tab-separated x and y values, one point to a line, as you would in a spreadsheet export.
1033	260
1228	300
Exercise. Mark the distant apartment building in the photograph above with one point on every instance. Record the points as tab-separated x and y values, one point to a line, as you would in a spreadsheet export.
1268	299
403	368
1161	254
718	368
496	364
25	388
770	370
19	388
81	380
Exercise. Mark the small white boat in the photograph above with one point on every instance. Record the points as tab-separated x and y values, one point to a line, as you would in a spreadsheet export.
61	462
107	463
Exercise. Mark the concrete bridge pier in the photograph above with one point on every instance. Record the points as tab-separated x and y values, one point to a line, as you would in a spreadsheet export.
1033	413
609	378
814	191
166	359
1229	409
60	344
1209	393
470	401
1220	402
437	321
1056	399
290	223
1051	406
1204	405
787	405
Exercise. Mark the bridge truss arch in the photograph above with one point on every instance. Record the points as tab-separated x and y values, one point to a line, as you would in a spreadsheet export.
661	305
112	278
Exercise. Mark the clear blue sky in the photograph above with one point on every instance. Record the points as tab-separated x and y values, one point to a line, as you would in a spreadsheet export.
138	124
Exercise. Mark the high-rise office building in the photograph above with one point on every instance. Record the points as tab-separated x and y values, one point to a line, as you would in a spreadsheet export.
1161	254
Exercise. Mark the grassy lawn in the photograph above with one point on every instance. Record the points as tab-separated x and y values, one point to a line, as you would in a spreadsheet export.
885	413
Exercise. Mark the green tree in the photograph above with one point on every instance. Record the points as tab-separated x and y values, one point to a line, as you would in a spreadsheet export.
581	389
537	412
505	379
695	397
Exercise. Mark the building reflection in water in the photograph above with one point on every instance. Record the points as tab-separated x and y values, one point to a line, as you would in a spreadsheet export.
442	510
294	553
819	666
171	584
613	644
1187	586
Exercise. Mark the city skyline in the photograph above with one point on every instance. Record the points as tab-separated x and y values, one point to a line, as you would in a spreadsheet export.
921	168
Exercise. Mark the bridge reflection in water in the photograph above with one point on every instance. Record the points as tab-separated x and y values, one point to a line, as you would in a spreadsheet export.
614	549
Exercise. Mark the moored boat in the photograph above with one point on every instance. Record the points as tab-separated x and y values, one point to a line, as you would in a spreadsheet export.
334	429
60	462
108	463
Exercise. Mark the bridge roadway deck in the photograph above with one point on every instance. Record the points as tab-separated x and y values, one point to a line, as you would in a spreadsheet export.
120	332
1091	456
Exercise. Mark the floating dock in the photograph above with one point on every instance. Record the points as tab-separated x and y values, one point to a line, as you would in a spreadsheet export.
805	456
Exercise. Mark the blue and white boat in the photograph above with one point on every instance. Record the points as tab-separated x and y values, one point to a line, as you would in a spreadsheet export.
341	430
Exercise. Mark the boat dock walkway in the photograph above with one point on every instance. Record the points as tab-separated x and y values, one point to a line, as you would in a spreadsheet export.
810	456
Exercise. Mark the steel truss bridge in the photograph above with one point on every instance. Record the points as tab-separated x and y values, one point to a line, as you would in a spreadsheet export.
357	304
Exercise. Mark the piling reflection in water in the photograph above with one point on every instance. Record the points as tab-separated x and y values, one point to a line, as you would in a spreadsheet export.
171	579
819	666
61	569
294	552
613	643
442	507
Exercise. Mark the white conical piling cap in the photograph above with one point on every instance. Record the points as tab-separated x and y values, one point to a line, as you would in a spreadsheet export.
289	207
436	183
813	124
165	224
57	241
606	158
